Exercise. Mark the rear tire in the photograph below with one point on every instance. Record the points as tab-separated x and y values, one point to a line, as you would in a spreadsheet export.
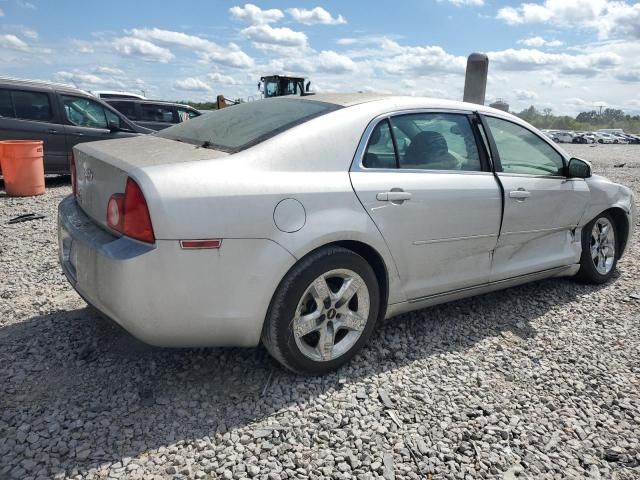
599	250
323	311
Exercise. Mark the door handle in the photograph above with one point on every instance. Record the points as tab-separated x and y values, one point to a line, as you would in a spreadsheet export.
52	131
393	196
520	194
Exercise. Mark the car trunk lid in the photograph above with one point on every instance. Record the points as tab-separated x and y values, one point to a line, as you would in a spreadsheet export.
102	167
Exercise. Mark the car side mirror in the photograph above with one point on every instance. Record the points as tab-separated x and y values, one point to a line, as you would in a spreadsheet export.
114	126
578	168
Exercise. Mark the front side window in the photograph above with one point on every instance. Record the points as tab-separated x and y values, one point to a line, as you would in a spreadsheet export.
156	113
32	105
380	151
84	112
523	152
186	113
436	141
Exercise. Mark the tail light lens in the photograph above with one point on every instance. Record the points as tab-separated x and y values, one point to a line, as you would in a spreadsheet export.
129	214
72	170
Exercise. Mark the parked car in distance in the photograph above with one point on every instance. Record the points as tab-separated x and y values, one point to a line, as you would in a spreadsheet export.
603	137
563	137
60	115
104	94
153	114
620	138
314	218
583	138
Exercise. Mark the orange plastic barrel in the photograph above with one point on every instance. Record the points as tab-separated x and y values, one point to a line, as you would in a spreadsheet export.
22	167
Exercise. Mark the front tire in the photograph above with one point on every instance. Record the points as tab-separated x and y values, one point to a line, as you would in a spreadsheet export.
323	311
599	250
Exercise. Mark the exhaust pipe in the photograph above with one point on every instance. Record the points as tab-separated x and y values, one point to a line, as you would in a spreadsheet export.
475	82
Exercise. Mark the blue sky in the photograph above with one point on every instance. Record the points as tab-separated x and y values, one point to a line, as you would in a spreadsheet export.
568	55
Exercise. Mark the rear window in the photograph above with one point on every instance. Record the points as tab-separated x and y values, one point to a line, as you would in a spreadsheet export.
241	126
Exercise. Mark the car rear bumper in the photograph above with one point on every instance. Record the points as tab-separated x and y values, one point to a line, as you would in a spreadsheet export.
168	296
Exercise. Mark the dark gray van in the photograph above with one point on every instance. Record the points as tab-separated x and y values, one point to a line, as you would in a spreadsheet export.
60	115
153	114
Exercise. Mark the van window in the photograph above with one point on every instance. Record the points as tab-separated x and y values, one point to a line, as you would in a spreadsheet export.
150	112
31	105
186	113
83	112
6	105
128	109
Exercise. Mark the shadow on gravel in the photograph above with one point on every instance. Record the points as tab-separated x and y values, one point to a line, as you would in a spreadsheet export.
49	181
104	396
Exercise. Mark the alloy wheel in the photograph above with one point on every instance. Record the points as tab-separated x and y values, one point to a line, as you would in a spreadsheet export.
331	315
603	245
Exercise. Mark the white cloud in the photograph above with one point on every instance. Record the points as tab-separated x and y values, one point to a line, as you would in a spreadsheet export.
1	13
136	47
79	78
191	85
607	17
471	3
531	59
629	76
24	4
224	79
331	62
524	94
407	60
317	15
109	71
540	42
29	33
12	42
230	55
279	36
255	15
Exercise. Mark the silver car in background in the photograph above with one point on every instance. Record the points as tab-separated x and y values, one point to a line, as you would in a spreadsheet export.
301	222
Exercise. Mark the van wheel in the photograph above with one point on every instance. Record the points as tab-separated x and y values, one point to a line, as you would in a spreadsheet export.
599	256
323	311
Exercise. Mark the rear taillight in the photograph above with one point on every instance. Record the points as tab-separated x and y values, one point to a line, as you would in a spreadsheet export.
129	214
72	170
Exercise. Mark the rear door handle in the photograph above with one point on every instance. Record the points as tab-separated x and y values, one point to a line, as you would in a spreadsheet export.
52	131
393	196
519	194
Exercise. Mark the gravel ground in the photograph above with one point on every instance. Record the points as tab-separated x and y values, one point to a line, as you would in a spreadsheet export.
540	381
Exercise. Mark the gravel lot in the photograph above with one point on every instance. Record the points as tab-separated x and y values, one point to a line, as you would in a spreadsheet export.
540	381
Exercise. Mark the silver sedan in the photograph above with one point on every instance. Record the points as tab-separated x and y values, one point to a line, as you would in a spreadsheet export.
301	222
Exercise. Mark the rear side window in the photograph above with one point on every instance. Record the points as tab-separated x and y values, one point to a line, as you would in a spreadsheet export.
150	112
31	105
6	105
425	141
128	109
238	127
380	151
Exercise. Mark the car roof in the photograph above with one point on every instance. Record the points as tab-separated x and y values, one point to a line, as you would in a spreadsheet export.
43	84
146	100
396	101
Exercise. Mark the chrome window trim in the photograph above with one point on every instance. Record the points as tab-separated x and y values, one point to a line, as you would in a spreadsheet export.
358	159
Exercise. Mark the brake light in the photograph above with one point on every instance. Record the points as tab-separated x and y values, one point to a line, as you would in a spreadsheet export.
72	170
129	213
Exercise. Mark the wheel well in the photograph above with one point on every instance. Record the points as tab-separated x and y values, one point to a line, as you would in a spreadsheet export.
622	227
374	259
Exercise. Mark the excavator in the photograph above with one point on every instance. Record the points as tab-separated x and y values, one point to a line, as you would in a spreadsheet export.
275	86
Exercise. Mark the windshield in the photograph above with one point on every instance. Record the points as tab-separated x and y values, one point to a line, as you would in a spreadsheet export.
241	126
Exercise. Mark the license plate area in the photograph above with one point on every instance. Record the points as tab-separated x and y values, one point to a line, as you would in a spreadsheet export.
69	254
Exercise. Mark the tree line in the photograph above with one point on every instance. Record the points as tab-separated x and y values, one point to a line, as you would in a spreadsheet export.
584	121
